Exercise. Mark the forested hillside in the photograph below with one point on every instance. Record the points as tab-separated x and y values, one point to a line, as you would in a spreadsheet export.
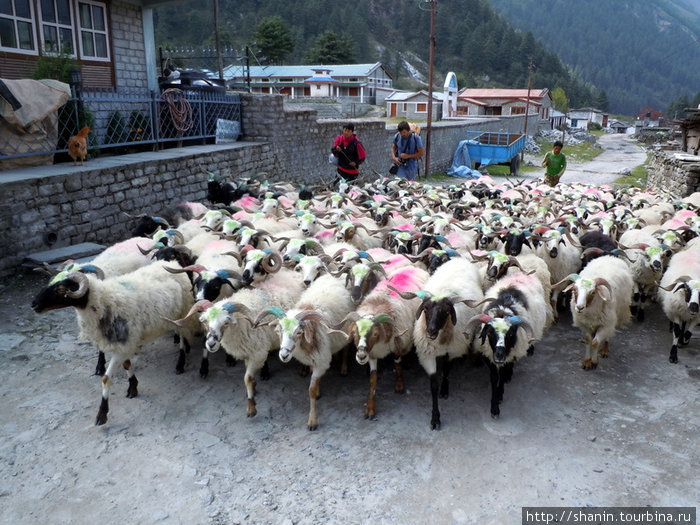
640	53
471	39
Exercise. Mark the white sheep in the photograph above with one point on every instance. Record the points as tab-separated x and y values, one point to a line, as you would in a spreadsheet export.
242	340
120	314
383	324
304	332
602	294
679	295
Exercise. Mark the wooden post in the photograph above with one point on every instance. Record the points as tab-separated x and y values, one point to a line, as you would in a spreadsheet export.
430	86
527	104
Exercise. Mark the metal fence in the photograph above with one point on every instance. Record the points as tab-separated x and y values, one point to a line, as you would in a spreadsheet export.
125	120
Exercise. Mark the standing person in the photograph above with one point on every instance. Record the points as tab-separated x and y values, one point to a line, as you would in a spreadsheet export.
406	149
555	164
350	153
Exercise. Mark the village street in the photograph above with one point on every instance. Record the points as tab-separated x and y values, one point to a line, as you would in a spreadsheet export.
183	451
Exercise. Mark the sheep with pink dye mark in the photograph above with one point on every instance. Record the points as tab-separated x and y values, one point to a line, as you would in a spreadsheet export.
383	325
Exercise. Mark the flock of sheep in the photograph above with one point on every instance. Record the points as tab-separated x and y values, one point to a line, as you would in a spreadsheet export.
382	269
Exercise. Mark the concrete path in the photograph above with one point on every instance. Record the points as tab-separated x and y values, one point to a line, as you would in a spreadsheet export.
622	154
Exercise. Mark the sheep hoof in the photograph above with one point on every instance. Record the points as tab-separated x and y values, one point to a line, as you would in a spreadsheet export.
589	365
101	418
496	415
435	422
673	356
686	338
313	427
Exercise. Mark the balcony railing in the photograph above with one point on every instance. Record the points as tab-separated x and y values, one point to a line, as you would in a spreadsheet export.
128	119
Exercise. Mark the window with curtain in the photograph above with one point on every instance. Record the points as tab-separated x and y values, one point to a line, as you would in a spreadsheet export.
16	27
57	27
92	20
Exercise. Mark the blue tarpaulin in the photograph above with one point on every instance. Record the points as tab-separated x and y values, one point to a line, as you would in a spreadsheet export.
462	162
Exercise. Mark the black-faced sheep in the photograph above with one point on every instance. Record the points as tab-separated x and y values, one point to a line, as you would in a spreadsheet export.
509	325
120	314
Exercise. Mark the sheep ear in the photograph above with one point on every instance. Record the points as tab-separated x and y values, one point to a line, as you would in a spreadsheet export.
308	332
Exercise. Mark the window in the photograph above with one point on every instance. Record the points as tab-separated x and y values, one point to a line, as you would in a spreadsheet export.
16	31
517	110
421	107
56	27
93	30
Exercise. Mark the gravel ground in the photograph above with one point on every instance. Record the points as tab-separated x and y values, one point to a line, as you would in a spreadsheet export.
183	452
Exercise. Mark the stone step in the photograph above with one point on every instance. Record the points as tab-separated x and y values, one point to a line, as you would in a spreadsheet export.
82	252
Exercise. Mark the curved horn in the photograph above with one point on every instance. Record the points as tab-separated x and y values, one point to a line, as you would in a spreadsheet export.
196	308
599	281
83	285
272	262
680	280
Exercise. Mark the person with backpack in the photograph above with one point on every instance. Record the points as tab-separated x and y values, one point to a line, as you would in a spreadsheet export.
406	149
350	153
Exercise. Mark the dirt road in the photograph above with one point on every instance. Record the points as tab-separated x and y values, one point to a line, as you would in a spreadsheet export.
183	452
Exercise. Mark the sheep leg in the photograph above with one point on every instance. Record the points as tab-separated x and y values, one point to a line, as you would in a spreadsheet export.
132	391
101	418
101	362
587	362
344	356
444	366
314	394
230	360
678	331
686	333
371	408
204	365
434	387
182	357
249	380
605	350
399	385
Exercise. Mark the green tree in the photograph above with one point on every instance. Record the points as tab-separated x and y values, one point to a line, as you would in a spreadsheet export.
273	39
329	48
560	100
601	101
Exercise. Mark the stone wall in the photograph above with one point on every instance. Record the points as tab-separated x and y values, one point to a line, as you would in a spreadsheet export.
675	172
301	143
88	203
128	45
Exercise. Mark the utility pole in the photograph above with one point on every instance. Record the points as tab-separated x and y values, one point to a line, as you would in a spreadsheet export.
430	85
530	67
219	58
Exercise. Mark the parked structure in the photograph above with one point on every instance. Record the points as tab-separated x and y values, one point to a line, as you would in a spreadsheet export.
503	102
413	106
361	82
582	118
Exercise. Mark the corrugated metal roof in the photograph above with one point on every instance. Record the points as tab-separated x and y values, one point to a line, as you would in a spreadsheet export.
501	93
337	70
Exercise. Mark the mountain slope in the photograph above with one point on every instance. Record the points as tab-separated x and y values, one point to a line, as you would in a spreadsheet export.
640	53
471	39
